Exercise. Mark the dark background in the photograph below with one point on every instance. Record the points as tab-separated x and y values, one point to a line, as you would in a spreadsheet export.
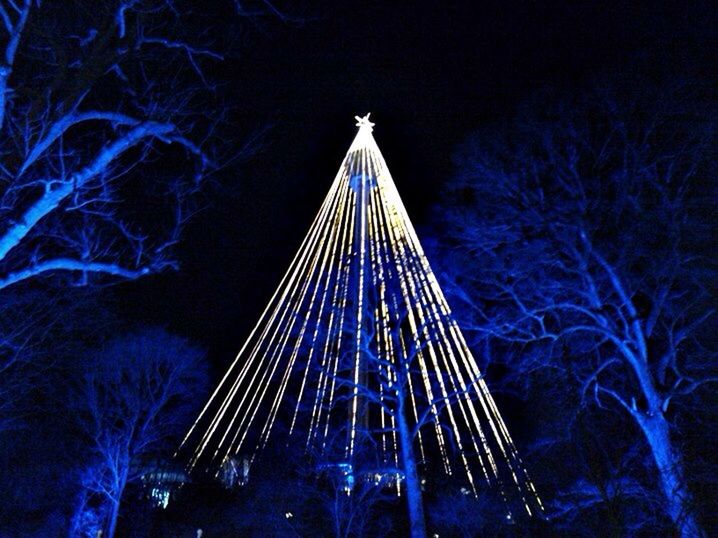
430	73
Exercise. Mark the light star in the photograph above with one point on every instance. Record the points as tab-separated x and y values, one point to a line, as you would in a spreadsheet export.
364	122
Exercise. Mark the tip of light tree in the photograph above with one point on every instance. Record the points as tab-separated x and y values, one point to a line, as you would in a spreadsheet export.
364	123
364	138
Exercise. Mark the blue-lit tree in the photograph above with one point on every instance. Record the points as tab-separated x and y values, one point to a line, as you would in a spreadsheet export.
44	331
93	114
135	396
105	146
582	247
94	108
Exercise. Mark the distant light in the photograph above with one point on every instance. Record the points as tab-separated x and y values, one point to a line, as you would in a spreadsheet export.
289	515
160	496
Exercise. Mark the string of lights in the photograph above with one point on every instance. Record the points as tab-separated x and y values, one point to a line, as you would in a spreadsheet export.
357	324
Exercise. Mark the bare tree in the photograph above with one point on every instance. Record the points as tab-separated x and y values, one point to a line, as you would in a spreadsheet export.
581	246
98	105
136	394
41	333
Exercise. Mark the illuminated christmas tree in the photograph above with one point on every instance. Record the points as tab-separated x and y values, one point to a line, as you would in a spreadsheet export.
358	344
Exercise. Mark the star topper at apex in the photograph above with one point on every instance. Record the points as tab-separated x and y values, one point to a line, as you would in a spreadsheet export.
357	353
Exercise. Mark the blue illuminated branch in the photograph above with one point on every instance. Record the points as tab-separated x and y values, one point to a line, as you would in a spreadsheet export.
189	50
125	5
68	264
51	199
63	169
60	127
14	31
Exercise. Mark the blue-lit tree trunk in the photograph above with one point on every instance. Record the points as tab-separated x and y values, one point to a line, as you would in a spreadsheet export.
654	425
650	416
116	502
414	496
670	468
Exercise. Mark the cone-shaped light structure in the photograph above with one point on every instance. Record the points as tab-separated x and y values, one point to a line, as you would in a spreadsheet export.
357	335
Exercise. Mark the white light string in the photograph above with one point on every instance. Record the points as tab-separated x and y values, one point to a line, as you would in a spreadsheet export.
359	286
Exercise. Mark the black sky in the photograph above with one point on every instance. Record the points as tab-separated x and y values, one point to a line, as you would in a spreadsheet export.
430	72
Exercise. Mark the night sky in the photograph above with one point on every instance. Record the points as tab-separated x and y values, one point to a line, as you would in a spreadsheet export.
430	73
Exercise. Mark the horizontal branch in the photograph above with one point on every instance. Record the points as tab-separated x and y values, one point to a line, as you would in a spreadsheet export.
61	126
69	264
52	198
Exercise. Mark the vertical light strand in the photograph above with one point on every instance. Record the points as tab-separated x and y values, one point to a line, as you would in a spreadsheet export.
484	397
292	265
379	328
359	320
338	290
278	397
383	245
330	379
442	344
400	244
427	271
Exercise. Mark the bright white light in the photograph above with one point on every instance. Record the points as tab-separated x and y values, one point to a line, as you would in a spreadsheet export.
160	496
360	286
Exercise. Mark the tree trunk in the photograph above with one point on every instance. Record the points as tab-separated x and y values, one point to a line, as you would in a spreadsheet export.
670	473
112	524
668	460
115	510
414	496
